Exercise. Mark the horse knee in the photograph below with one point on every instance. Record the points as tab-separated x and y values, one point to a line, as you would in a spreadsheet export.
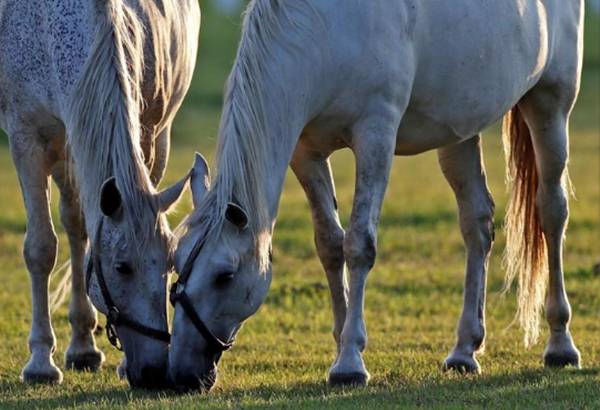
330	246
478	228
82	316
40	252
360	248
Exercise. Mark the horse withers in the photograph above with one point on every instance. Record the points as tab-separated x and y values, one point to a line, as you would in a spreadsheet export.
383	78
88	93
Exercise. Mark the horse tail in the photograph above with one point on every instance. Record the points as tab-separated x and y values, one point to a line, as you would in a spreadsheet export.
525	255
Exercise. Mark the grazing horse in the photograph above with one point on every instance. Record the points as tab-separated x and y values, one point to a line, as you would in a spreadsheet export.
88	92
397	77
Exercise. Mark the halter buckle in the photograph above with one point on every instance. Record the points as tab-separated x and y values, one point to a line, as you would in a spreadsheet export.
111	334
175	292
113	315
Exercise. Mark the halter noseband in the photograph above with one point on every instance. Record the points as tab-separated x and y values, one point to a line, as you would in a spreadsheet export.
177	294
114	317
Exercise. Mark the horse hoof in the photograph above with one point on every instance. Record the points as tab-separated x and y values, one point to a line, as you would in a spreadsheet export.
90	361
41	374
562	359
462	364
561	352
354	379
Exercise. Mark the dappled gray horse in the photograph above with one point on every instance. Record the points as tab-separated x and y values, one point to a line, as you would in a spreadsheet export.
382	78
88	92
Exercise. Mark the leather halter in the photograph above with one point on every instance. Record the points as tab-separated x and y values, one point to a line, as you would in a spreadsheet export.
114	317
178	294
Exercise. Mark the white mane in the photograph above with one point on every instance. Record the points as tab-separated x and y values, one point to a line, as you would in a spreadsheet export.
104	118
244	132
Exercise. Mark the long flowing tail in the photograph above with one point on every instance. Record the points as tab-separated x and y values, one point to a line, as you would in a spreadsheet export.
525	256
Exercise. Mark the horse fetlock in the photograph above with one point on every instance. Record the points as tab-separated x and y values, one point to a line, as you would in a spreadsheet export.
558	314
41	369
561	351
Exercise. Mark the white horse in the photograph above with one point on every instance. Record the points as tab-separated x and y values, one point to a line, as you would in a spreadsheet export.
88	92
382	78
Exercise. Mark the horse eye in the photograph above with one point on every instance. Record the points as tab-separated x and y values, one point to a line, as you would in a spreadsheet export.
123	268
224	278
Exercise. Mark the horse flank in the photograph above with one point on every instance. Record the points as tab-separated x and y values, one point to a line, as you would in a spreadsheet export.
103	118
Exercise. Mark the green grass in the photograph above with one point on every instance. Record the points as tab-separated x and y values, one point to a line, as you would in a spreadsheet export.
414	293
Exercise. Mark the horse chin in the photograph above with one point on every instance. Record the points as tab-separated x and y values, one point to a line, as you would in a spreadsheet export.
185	382
187	375
146	361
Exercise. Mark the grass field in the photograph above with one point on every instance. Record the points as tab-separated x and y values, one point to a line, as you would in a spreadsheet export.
414	293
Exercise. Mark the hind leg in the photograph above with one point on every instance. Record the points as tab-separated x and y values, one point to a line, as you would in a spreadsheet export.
463	168
39	251
546	112
82	353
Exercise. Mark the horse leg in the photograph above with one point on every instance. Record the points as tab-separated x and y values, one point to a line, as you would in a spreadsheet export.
82	353
462	165
39	251
161	155
373	146
314	174
546	114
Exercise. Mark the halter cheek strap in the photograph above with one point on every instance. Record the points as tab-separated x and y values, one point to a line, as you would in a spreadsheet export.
114	317
178	295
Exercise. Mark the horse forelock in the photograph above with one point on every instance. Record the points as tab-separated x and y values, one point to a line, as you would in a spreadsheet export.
104	121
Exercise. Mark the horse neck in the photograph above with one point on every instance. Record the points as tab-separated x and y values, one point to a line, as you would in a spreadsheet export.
103	114
284	112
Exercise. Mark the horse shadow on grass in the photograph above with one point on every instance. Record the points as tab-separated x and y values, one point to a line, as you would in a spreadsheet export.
527	389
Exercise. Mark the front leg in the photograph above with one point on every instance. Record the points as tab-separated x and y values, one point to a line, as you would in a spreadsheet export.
82	353
373	145
462	166
39	251
314	174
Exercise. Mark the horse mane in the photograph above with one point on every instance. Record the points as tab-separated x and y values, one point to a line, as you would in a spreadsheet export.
244	136
104	119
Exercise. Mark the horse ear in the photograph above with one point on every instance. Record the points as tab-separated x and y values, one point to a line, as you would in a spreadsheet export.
236	215
168	197
200	179
111	201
